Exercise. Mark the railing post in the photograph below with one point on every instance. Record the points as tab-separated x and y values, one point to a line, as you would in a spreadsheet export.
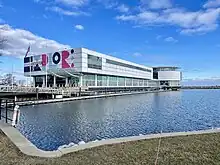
6	111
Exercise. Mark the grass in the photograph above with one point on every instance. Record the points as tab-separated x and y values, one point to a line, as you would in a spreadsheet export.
195	149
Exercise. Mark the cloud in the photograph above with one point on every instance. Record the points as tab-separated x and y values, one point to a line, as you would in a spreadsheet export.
73	2
157	4
65	12
137	54
170	39
212	3
79	27
189	22
18	41
108	4
123	8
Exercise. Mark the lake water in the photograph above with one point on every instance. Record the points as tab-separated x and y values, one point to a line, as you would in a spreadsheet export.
50	126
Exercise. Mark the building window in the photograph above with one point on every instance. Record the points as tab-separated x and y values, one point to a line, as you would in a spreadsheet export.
141	82
128	81
145	83
135	82
112	81
127	65
101	80
121	81
155	75
94	62
88	80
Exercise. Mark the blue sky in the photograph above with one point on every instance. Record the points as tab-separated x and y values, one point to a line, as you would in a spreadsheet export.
183	33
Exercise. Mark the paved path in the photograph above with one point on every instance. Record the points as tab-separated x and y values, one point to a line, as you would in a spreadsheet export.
28	148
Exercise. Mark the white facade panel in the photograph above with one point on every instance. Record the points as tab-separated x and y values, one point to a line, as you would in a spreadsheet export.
169	75
116	70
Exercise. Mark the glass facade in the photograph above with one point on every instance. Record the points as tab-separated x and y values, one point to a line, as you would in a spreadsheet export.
88	80
141	83
145	82
102	80
113	81
121	81
128	81
94	62
135	82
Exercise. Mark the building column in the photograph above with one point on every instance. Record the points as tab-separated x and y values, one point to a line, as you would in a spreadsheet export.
44	81
34	81
107	81
67	82
96	81
132	84
54	81
117	81
80	80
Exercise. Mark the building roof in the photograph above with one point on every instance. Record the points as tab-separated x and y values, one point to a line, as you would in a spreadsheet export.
170	67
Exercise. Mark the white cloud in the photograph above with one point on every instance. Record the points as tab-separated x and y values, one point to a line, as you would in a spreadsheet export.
157	4
108	4
79	27
170	39
18	41
137	54
212	3
74	3
123	8
65	12
191	22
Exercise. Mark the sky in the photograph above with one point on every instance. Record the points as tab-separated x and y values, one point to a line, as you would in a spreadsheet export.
182	33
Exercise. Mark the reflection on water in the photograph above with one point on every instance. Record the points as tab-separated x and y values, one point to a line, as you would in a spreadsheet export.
50	126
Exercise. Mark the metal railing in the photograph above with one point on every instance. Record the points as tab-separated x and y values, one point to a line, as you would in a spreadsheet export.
6	109
10	89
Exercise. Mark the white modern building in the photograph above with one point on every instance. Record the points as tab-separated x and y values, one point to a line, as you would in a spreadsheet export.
87	68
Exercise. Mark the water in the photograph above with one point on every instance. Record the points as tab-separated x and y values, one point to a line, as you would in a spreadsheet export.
50	126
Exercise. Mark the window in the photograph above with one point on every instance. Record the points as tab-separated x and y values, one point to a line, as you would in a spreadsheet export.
121	81
127	65
94	62
146	83
135	82
28	69
112	81
128	81
141	83
155	75
88	80
101	80
28	59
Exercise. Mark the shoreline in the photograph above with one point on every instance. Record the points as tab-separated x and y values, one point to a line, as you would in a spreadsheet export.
27	148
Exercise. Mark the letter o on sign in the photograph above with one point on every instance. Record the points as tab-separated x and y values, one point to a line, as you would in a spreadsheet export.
56	58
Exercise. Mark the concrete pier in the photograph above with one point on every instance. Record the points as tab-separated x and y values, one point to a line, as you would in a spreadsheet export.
27	103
